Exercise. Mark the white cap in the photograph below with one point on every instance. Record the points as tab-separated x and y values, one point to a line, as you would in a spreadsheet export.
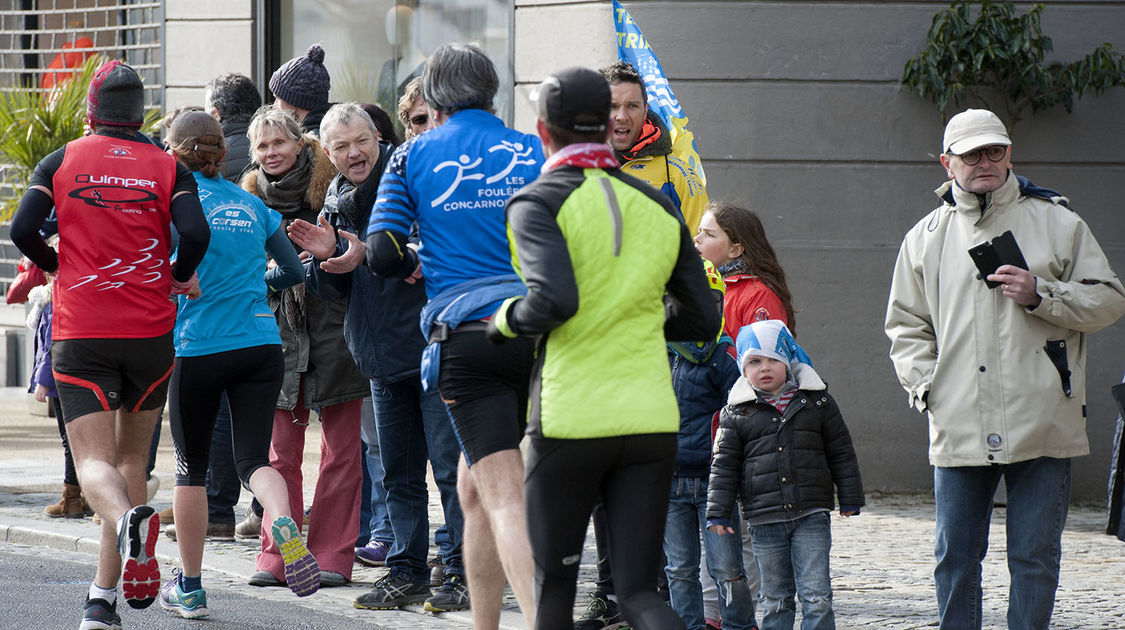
972	129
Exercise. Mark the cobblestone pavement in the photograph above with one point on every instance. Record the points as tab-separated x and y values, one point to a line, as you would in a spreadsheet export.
882	560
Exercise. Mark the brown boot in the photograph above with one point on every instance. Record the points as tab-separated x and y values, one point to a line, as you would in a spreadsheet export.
70	505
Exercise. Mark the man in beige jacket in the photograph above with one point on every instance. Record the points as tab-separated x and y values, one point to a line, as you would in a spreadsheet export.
999	372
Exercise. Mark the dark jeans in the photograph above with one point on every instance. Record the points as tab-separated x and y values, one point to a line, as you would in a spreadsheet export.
414	426
1038	501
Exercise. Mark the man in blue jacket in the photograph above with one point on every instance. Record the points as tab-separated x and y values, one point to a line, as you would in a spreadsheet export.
453	182
381	329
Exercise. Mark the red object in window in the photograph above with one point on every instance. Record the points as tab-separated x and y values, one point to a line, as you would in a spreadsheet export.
66	61
28	278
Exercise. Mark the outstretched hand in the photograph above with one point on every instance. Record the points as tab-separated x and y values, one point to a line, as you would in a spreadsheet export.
349	260
319	240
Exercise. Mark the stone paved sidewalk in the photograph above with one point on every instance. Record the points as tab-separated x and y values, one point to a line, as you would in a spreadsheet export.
882	560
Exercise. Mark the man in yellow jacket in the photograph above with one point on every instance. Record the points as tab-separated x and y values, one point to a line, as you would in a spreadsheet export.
998	366
643	145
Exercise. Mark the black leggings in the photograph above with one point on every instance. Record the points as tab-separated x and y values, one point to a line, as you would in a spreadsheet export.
563	481
251	378
70	475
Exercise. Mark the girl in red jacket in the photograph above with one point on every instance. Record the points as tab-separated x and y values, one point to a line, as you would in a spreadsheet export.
734	240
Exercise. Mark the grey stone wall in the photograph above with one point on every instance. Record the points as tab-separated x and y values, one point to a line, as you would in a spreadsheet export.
205	38
797	112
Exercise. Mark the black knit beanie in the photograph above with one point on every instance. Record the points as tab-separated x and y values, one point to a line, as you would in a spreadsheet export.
303	81
116	96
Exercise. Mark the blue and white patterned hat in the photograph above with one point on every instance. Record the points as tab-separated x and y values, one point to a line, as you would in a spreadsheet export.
770	338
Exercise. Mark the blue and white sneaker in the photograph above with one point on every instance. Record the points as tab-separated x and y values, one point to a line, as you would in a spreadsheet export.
187	604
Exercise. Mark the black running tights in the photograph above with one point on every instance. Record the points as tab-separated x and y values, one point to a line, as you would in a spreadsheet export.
251	378
563	480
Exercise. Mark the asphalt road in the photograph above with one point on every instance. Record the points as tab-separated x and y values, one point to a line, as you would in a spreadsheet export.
45	588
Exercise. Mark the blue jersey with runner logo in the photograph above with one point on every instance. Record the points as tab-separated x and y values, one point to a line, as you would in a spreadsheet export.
454	181
232	312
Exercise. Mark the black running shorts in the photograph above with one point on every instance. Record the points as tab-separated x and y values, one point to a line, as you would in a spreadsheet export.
94	375
485	386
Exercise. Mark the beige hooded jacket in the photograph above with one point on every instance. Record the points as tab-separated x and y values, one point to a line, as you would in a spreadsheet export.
976	362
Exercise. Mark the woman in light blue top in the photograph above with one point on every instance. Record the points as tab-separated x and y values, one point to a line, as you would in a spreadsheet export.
226	340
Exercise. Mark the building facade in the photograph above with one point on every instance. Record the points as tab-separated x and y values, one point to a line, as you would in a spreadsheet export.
797	112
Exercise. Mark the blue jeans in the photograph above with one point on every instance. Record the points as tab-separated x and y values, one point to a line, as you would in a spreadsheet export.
414	425
793	558
1038	500
374	521
687	508
223	486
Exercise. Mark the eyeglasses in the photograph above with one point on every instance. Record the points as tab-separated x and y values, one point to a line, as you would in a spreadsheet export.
419	120
995	153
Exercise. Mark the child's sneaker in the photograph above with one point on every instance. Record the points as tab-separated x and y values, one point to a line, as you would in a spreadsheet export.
100	615
302	573
137	532
189	605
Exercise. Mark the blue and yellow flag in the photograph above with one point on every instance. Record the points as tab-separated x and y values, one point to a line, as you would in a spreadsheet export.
633	48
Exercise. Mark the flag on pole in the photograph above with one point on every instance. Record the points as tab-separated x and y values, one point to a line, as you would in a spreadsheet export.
632	47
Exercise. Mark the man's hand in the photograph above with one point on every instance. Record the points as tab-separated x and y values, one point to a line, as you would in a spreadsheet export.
1016	284
319	240
417	274
721	530
349	260
40	393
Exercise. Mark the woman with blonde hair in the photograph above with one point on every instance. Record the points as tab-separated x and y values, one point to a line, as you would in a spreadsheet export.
290	172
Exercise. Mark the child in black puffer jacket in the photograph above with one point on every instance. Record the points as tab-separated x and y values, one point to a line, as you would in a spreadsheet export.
783	447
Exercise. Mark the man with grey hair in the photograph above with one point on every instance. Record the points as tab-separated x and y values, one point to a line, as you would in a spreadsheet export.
381	330
453	182
989	340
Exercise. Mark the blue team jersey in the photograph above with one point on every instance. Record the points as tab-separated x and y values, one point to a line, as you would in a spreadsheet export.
454	181
232	312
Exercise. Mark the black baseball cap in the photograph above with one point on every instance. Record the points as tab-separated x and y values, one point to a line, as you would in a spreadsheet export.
576	99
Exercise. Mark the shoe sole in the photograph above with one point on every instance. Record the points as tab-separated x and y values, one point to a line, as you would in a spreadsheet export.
302	573
441	609
140	578
98	625
184	612
407	601
371	563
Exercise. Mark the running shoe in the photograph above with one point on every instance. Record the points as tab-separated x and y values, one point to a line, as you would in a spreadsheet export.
391	592
453	595
137	532
302	573
374	554
189	605
100	615
600	613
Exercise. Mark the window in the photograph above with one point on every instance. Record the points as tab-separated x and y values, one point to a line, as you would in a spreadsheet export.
374	47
